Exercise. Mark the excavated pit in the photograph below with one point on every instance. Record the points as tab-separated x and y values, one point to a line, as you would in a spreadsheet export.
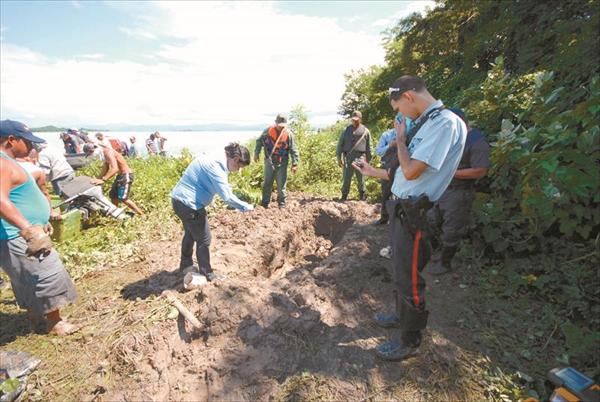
308	243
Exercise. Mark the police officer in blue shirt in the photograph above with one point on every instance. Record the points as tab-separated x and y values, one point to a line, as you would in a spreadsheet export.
386	149
428	156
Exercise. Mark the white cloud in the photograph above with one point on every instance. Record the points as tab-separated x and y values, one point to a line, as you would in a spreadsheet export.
92	56
238	62
138	33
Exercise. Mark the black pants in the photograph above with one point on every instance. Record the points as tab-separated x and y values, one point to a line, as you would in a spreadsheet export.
410	254
196	230
386	192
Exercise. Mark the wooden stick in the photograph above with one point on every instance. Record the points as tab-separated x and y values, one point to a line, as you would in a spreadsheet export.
183	310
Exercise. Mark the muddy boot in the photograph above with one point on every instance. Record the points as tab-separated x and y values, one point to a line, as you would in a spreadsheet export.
400	349
386	320
381	221
389	320
436	267
189	268
442	264
211	277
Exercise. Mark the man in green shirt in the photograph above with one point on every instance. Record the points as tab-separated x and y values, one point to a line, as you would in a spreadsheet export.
278	143
354	143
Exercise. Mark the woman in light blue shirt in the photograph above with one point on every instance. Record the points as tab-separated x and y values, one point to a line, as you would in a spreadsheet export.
202	179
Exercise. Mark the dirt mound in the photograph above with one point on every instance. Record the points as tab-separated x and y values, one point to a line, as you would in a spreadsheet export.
290	321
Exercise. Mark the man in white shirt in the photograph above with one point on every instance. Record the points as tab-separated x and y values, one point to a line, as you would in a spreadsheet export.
54	164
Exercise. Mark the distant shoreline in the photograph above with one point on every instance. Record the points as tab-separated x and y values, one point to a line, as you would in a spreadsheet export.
50	129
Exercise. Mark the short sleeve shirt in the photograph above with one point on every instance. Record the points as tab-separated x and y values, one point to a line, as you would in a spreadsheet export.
53	163
439	143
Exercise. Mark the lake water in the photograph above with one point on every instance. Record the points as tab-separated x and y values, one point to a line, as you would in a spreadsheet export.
209	143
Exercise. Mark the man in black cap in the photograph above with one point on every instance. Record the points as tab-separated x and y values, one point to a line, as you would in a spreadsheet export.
39	280
354	144
278	143
451	214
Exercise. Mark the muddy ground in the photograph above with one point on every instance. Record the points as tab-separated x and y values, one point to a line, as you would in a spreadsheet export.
290	321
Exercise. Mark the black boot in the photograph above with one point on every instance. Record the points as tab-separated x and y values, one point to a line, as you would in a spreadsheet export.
381	221
437	267
444	264
400	349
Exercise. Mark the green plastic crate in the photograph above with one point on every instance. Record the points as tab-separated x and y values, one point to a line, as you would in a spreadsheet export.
69	227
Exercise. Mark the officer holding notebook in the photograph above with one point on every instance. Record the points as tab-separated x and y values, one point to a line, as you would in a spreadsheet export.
428	155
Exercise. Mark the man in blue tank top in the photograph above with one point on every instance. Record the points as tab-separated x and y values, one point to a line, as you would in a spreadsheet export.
39	280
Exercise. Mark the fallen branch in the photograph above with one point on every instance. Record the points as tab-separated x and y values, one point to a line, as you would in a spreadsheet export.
183	310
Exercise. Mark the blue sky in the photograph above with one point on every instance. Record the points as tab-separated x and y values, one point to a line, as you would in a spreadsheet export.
83	62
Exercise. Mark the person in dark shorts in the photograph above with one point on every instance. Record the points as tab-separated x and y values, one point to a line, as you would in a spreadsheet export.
39	280
114	164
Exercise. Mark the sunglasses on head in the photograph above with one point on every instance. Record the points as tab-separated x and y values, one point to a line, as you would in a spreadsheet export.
399	90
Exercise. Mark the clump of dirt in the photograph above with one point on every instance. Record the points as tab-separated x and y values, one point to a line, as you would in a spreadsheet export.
290	321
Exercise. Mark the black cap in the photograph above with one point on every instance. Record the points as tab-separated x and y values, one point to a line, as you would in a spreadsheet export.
281	119
89	148
18	129
356	115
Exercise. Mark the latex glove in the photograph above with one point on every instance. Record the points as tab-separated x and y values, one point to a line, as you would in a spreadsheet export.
38	241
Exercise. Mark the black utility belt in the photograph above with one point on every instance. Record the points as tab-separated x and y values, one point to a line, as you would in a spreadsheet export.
413	211
466	186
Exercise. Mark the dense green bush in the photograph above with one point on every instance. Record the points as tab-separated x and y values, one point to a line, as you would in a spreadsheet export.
544	176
